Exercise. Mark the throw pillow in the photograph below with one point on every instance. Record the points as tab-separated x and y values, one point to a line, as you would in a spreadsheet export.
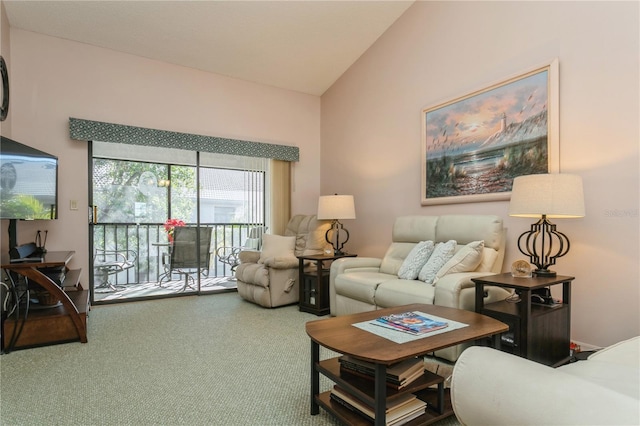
415	260
466	259
441	254
277	246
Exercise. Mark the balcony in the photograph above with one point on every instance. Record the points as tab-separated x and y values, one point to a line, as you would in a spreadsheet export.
151	244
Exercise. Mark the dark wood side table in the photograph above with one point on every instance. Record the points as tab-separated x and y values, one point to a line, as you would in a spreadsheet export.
314	284
537	332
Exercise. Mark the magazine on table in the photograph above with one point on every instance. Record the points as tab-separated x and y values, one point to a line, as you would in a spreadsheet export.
410	322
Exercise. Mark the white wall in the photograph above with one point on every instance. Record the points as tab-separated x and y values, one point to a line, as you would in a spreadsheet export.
371	132
54	79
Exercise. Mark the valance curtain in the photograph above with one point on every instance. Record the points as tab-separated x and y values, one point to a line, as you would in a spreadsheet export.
88	130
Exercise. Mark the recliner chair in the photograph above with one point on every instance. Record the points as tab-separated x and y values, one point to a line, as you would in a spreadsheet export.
273	281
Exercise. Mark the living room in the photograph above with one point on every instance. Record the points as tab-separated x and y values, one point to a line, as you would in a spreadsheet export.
362	136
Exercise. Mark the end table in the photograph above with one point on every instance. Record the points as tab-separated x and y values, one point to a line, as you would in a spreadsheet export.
539	332
314	284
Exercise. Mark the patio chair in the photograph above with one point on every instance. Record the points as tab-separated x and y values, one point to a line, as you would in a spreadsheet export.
183	256
111	262
229	255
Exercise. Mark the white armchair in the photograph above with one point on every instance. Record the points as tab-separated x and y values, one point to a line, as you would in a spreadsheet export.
490	387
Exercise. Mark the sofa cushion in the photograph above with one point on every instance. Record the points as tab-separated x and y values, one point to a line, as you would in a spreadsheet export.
360	286
413	229
467	228
397	292
395	255
415	260
489	257
277	246
466	259
441	254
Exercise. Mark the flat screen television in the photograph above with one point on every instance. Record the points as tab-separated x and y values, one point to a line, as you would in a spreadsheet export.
28	182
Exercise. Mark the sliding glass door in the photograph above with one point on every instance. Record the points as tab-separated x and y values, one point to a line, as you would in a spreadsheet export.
164	217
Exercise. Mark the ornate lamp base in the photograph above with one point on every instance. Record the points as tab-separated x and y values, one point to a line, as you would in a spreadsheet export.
333	237
538	245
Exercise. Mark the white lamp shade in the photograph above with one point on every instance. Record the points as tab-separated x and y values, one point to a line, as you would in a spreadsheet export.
553	195
336	207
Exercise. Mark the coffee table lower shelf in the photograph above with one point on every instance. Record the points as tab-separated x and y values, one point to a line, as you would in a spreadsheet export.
348	417
362	389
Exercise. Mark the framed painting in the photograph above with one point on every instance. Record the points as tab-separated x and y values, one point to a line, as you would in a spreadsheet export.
475	145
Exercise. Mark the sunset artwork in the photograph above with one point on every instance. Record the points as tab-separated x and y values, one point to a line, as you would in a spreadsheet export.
478	144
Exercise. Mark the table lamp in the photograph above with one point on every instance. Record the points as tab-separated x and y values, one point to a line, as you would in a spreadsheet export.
334	208
546	196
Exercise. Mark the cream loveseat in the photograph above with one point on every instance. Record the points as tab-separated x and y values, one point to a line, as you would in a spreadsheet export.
270	277
490	387
365	284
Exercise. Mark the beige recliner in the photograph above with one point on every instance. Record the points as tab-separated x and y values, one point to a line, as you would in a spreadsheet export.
272	280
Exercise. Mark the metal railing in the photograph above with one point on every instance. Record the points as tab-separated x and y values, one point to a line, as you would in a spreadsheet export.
151	243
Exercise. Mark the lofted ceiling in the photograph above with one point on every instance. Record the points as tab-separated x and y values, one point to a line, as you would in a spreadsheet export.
303	46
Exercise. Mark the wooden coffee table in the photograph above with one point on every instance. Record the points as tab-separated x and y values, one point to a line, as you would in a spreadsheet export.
339	335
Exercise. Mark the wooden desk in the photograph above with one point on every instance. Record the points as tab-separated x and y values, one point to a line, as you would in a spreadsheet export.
31	325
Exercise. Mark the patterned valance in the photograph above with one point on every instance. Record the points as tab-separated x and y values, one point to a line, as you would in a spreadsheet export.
88	130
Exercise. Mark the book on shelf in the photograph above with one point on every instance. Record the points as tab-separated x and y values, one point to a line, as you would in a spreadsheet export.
57	274
397	371
398	411
410	322
391	384
398	375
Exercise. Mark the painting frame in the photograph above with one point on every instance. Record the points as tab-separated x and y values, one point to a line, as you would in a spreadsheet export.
447	158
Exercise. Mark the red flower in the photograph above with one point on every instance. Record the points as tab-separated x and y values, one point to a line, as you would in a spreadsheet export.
169	224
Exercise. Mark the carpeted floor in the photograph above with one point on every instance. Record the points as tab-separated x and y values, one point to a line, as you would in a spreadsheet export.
201	360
